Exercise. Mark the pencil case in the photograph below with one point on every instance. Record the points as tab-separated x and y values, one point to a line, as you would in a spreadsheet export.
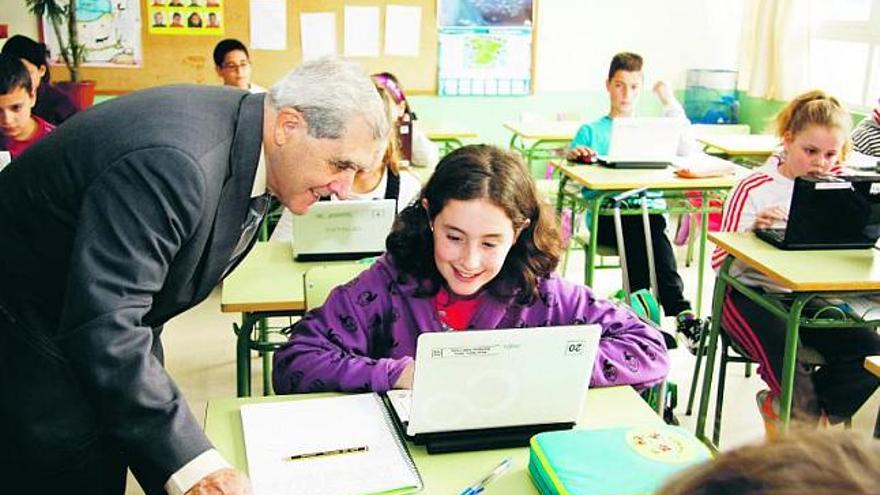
615	461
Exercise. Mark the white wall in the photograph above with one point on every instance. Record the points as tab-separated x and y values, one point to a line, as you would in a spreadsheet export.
20	21
577	38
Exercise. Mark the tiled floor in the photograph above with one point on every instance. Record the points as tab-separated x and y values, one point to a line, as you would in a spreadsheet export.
199	349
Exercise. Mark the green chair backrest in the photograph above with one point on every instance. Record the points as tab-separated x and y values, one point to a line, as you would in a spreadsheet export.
322	279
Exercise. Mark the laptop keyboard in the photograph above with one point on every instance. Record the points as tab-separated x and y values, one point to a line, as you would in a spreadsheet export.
776	234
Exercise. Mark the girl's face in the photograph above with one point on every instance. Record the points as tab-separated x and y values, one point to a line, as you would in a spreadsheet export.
471	241
812	151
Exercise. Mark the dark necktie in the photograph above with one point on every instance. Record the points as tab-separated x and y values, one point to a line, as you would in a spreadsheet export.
257	210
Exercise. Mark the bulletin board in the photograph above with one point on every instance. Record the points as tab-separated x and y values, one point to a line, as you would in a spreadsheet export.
179	59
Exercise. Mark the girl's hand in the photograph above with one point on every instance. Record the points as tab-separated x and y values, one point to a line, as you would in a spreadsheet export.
769	216
405	380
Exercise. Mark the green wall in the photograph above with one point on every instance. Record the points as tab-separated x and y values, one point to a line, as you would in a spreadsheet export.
485	115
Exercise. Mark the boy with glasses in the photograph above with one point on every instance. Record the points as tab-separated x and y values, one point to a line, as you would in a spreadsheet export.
233	64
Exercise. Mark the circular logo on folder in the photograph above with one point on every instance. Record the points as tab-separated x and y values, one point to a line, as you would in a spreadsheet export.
661	445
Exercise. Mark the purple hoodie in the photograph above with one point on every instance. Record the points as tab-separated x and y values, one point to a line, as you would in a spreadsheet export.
365	334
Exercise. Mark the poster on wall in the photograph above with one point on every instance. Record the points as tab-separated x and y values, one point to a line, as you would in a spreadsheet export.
485	47
186	17
498	13
485	62
110	32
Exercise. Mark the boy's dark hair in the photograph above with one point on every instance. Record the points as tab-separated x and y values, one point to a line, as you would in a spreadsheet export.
13	75
34	52
226	46
627	61
499	177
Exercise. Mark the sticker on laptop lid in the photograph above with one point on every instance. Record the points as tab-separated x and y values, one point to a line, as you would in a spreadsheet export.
575	347
833	185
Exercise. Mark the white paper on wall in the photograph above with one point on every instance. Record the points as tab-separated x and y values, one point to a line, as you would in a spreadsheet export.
361	31
403	30
317	34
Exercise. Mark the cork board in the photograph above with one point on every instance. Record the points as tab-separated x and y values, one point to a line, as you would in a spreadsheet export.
187	59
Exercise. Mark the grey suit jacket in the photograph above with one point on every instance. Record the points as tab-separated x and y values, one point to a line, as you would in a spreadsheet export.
120	219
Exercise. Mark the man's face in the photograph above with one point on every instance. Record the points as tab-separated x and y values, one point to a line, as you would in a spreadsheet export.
624	88
236	69
301	169
15	113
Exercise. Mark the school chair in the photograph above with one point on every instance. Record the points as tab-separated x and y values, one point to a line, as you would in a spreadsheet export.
318	282
321	280
731	352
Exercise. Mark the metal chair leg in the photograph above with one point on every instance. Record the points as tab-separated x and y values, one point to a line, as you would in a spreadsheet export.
701	351
719	400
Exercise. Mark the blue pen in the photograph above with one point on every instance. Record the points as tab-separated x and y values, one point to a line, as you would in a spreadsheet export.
479	486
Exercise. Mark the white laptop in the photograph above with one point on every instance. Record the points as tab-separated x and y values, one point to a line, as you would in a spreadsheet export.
343	230
643	142
861	161
496	388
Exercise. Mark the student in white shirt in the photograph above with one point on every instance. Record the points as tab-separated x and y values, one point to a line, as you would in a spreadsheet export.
386	182
814	129
232	62
417	148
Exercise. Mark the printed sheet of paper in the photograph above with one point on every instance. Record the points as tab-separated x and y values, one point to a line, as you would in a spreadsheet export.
361	31
317	34
403	30
268	25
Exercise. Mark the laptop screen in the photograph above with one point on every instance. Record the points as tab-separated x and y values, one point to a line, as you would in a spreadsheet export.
349	229
497	378
834	209
648	139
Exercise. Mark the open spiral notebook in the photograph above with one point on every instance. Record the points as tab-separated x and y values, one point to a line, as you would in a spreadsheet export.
326	446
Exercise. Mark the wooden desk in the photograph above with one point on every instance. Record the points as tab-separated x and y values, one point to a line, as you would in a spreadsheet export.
449	473
808	274
541	139
736	145
267	283
447	134
872	364
607	182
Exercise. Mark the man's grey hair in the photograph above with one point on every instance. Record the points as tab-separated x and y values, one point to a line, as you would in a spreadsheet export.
330	93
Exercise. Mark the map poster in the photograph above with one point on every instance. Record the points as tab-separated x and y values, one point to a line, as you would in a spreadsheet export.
186	17
109	30
485	61
491	13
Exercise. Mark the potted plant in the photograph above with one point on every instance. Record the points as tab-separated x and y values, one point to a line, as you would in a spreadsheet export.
62	15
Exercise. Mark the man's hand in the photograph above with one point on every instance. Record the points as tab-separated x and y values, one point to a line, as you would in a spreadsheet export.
405	379
223	482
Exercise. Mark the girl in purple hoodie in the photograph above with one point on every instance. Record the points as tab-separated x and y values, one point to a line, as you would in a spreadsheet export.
477	250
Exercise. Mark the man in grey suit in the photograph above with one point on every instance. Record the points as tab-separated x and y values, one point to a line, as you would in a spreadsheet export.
125	216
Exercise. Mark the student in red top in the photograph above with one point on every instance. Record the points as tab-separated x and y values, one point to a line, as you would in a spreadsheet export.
18	127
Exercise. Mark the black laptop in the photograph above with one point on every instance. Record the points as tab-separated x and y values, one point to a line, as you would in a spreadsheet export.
830	212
